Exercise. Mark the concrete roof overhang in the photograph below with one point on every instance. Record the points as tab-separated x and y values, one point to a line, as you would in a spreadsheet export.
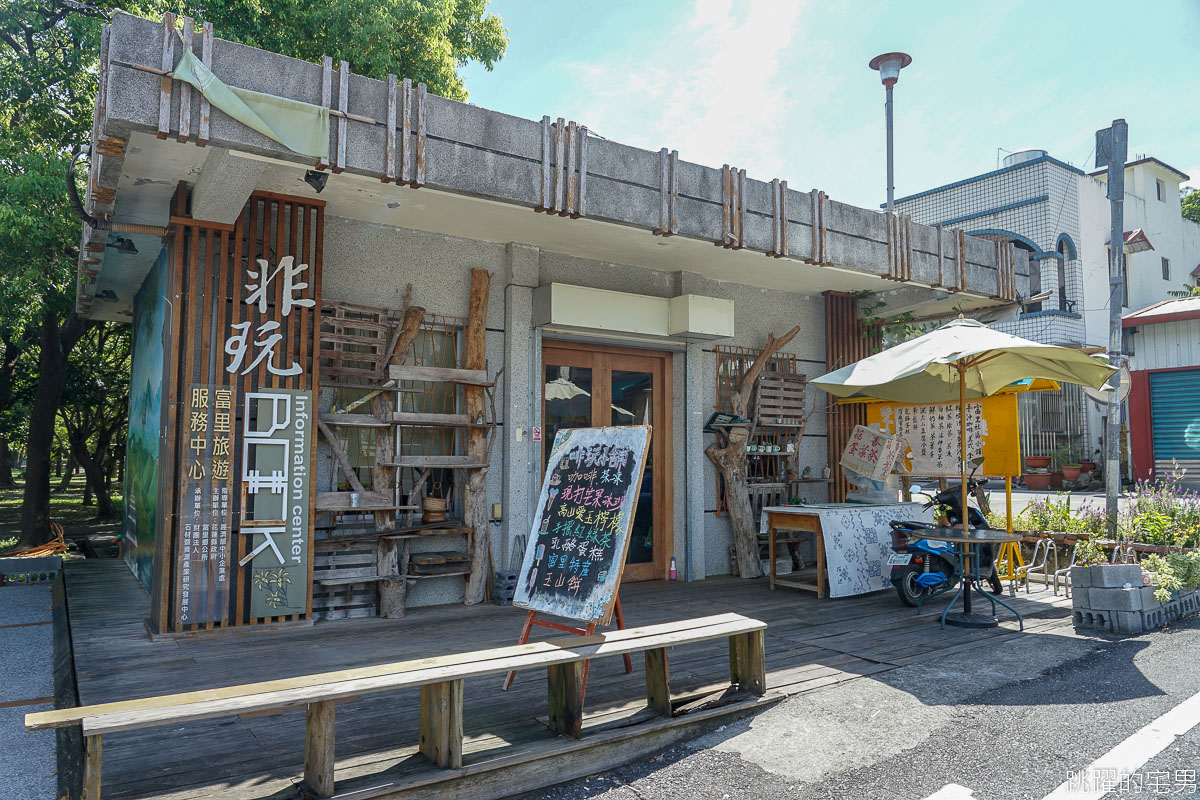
483	182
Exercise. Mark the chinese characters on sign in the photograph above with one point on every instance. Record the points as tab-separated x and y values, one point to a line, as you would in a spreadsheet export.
203	553
932	433
276	430
871	453
266	345
573	562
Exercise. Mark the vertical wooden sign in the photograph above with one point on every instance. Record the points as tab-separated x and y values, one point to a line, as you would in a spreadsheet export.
247	302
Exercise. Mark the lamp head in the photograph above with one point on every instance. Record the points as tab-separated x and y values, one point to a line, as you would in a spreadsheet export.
889	66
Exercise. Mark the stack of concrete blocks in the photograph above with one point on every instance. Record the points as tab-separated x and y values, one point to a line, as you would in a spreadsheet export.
1112	599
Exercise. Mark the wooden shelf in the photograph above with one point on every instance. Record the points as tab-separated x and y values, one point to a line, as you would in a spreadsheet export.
367	501
471	377
780	453
349	580
353	420
446	462
439	575
436	420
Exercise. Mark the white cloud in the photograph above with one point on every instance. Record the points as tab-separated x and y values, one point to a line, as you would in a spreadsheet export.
716	89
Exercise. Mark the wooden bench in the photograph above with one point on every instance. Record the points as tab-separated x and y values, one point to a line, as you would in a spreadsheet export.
440	681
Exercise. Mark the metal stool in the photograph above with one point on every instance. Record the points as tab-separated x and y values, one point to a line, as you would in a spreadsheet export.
1065	573
1042	547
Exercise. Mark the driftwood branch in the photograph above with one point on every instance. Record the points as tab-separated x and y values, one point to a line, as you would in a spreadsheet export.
728	453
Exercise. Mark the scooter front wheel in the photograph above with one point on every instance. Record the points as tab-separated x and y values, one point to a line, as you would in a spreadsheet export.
911	593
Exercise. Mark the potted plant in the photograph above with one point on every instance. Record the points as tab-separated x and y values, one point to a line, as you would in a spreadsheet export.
1037	462
1037	481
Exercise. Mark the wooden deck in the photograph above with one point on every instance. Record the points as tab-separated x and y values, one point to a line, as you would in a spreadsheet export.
810	643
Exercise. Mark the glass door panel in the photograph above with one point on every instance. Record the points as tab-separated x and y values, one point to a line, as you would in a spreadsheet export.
586	386
633	404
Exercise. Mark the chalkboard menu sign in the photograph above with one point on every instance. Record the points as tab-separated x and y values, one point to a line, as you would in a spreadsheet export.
576	551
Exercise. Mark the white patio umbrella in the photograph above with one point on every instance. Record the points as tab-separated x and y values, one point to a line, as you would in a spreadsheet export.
961	360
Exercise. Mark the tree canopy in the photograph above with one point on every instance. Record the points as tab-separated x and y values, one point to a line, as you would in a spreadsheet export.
48	69
1190	205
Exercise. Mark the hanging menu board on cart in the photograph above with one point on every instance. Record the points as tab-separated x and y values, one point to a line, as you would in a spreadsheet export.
576	551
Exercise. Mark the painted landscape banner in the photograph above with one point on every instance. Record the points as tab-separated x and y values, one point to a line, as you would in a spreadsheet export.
572	565
145	423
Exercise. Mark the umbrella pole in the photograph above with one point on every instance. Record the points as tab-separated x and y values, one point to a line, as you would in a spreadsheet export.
962	465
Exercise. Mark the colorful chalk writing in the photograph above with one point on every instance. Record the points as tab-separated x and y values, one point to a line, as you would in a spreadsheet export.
573	561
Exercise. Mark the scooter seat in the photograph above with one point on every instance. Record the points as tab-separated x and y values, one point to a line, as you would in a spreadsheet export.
912	524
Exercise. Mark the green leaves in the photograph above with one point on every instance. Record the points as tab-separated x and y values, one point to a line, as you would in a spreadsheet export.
425	40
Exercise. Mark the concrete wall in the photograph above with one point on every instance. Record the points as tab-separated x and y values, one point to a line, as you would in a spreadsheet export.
372	264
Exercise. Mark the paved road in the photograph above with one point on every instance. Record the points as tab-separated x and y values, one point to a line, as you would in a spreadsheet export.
27	761
1015	721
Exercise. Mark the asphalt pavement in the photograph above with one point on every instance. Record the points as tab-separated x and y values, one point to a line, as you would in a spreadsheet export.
27	760
1017	720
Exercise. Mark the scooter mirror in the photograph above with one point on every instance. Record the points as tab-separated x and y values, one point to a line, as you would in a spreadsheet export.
915	489
976	462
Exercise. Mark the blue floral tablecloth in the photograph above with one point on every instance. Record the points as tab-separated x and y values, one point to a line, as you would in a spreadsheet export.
857	542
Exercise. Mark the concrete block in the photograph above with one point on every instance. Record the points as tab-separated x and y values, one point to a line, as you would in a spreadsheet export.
1128	622
1080	599
1081	577
1093	620
1116	599
1112	576
1149	601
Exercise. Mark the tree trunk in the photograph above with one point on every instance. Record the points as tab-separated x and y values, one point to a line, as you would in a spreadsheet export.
87	491
56	344
58	465
731	461
67	475
6	465
729	455
96	486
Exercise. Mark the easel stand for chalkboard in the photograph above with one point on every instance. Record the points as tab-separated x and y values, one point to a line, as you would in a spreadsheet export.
532	619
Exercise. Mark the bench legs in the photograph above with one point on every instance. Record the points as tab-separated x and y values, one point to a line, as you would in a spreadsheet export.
441	723
318	748
565	682
747	662
658	681
91	768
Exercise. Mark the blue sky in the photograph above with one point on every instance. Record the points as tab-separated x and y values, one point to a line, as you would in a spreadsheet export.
782	89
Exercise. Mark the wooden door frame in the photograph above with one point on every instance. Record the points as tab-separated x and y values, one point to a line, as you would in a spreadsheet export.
662	440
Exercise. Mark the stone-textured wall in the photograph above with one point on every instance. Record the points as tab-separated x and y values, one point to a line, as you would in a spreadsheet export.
372	264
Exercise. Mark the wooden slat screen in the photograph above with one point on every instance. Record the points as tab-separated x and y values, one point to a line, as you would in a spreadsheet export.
210	265
845	343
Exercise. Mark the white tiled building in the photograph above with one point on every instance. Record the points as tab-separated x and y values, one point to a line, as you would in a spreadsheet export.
1060	215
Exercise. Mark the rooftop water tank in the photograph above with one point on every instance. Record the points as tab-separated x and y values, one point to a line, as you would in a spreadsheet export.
1021	156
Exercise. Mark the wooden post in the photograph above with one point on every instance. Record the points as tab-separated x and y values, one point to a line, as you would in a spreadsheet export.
93	749
748	662
475	505
318	748
441	723
658	681
565	684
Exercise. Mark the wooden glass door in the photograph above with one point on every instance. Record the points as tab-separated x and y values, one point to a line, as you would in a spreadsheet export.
592	386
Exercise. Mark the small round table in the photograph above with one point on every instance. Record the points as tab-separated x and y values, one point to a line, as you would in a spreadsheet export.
970	575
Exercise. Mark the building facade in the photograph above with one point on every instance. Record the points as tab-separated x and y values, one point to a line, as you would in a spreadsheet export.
314	322
1059	215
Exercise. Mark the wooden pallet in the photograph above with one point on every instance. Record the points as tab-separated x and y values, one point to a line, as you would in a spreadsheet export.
779	400
338	561
354	340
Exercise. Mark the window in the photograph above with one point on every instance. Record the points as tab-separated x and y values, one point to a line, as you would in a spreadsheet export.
1166	267
1162	190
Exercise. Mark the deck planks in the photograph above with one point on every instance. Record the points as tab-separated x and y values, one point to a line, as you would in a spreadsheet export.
810	643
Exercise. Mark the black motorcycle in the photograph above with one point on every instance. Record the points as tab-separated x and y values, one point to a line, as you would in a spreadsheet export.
921	566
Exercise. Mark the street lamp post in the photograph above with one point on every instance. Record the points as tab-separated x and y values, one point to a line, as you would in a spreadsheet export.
889	66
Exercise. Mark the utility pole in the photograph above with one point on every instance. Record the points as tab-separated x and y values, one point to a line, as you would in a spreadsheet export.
1111	150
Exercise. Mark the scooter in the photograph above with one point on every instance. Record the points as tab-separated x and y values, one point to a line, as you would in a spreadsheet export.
921	567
